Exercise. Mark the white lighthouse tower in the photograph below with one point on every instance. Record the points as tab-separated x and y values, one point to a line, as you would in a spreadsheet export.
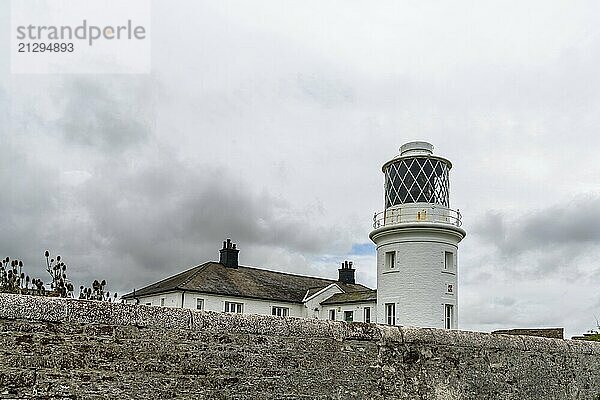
417	238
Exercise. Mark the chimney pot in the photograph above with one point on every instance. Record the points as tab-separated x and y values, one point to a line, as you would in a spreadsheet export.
346	273
229	255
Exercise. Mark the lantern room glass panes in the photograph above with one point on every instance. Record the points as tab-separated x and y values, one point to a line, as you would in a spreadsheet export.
417	180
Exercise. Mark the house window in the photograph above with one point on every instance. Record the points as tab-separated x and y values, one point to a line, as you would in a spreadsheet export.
316	313
332	315
148	304
390	313
232	307
280	311
449	315
199	304
162	302
348	316
390	259
448	260
368	315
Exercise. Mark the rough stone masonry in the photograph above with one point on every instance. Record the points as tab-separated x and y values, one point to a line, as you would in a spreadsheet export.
77	349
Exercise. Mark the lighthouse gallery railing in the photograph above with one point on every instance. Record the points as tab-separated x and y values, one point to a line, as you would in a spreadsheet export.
417	213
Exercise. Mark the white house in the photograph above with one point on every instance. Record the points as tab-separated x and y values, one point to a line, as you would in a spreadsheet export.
227	286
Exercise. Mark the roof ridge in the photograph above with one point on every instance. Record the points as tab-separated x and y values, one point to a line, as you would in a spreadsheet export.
212	276
318	287
354	284
289	273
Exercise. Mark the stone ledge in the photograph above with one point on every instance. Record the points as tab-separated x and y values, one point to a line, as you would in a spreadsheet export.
13	306
496	341
23	307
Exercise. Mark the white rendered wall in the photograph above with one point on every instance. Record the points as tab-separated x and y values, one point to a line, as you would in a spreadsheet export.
217	303
264	307
357	308
418	283
172	299
312	305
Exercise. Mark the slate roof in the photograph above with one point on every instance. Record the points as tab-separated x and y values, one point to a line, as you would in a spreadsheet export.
352	297
313	290
214	278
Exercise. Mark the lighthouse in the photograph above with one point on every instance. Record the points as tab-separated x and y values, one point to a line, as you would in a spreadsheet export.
417	236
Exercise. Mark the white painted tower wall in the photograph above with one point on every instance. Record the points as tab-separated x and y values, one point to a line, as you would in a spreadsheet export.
420	283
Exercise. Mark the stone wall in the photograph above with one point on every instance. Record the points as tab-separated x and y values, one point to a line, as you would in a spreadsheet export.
553	333
69	349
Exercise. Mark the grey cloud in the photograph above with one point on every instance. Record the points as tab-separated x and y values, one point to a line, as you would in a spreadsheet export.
325	90
576	223
29	209
549	240
165	214
505	301
497	313
110	113
491	227
134	224
36	209
135	212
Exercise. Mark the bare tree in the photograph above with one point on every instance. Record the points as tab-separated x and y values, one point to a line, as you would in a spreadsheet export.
60	285
96	292
14	280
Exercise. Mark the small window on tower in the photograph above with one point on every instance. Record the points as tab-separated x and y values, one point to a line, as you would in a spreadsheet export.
449	316
390	313
390	259
449	260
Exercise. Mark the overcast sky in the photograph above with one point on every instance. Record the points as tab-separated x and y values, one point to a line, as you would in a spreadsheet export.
268	122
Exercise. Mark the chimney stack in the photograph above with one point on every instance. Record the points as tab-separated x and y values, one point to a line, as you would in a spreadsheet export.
346	273
229	254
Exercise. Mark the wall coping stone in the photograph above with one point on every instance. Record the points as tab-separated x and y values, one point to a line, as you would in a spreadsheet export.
86	312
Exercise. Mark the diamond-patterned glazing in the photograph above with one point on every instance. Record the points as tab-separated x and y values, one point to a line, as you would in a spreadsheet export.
417	180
